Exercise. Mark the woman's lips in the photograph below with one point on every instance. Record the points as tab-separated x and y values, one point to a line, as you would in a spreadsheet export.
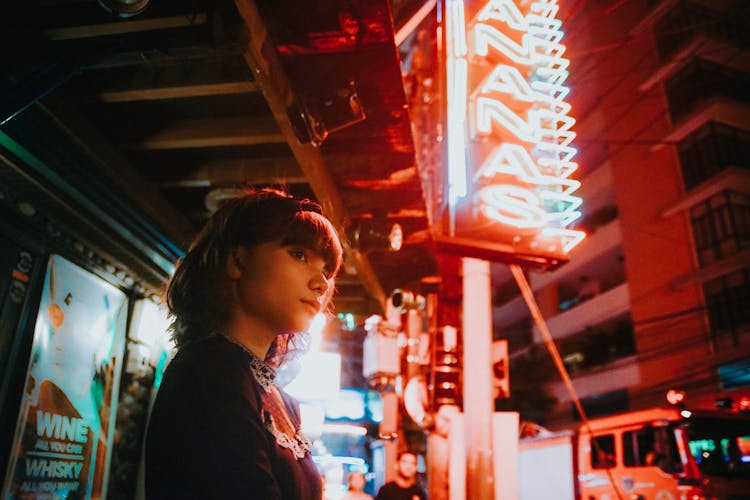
314	305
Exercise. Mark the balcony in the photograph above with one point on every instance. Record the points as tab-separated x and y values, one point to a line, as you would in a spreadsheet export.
611	303
721	226
605	344
688	20
716	109
620	374
605	239
699	82
726	302
712	149
598	256
731	178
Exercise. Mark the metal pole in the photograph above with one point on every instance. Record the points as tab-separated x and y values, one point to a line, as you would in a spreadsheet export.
528	296
478	400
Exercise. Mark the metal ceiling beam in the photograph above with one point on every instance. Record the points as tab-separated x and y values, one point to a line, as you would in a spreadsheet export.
111	163
177	92
263	60
214	132
84	202
122	27
172	79
281	170
415	20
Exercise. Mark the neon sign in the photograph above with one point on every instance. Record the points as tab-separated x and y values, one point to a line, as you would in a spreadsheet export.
509	132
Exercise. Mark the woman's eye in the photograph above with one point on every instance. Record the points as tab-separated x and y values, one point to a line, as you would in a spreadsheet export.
298	254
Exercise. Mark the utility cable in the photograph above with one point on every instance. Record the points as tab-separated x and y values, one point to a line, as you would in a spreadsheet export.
528	296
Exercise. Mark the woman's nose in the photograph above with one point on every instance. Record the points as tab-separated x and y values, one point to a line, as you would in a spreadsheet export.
319	283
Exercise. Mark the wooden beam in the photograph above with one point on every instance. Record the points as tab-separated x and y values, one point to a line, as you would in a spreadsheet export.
177	92
113	165
122	27
214	132
280	171
270	77
220	74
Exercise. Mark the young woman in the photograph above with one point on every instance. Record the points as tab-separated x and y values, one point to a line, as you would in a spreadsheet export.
252	281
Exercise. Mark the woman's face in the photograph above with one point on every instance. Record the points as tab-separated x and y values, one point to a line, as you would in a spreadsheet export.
281	287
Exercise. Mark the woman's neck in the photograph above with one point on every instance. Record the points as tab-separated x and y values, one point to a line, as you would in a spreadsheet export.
404	482
253	335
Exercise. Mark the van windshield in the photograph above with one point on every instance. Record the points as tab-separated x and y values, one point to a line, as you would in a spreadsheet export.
721	447
651	446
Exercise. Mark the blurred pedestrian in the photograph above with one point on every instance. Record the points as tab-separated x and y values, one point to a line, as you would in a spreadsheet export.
356	489
255	277
404	486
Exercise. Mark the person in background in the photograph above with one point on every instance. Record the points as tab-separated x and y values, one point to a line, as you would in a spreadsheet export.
254	278
404	486
356	490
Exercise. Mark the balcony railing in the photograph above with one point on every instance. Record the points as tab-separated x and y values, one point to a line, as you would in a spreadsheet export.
727	298
721	226
688	20
702	80
591	222
712	149
586	350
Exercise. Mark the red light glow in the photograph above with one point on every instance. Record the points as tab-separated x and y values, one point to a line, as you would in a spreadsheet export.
509	134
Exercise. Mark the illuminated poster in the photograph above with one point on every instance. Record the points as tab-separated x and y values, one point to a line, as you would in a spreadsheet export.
148	352
509	191
64	429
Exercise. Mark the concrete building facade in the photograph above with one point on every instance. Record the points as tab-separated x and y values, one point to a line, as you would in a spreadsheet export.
658	295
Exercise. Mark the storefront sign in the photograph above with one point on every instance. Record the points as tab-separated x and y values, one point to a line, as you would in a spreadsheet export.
64	432
509	152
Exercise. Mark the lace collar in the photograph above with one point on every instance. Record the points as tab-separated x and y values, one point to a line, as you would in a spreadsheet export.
263	374
298	444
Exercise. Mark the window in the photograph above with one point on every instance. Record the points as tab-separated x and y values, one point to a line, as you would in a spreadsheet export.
687	20
700	81
711	149
603	452
651	447
726	301
598	345
721	226
735	375
720	446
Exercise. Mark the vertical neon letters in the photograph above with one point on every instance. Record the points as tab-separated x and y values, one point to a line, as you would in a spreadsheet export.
509	131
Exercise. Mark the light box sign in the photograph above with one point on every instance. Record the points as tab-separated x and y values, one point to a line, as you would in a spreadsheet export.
509	157
65	425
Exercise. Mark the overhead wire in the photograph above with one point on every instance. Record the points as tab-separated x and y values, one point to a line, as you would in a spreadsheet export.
641	96
536	314
671	322
646	36
575	77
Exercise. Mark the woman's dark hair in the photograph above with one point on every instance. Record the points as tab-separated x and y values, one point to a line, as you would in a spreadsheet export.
198	294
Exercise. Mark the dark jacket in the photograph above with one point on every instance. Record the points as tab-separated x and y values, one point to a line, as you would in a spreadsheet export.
392	491
206	437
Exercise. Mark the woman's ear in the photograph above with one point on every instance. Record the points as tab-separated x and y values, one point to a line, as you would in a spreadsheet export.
233	266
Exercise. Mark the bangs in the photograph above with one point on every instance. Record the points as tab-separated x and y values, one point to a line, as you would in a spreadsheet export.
312	230
251	221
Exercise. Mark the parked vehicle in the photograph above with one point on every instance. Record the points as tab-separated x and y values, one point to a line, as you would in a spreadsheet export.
659	453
